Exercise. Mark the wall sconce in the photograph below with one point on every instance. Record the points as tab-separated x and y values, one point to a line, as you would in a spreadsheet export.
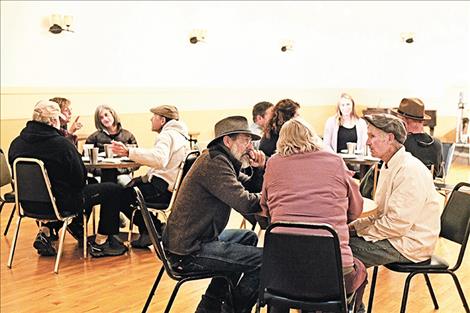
287	45
197	35
407	37
57	22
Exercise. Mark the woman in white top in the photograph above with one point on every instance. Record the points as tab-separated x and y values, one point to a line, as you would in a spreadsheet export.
345	126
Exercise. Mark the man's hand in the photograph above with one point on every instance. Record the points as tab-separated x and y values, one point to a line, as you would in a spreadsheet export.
76	125
119	148
257	158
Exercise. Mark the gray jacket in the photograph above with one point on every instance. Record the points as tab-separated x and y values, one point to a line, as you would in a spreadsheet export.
211	188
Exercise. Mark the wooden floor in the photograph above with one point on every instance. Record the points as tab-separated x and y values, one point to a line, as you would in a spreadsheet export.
121	284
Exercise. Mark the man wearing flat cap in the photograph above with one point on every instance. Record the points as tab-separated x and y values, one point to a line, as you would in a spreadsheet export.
169	150
423	146
406	223
195	235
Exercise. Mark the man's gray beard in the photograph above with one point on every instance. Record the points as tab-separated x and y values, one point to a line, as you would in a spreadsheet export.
241	157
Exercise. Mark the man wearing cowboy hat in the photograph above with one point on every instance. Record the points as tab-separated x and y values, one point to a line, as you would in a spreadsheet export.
418	143
406	224
169	150
195	234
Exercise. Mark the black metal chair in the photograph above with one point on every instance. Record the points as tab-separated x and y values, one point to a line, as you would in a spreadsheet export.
180	278
165	208
455	226
34	199
302	270
8	197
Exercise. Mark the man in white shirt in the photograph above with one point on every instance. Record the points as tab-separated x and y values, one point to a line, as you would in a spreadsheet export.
406	224
169	150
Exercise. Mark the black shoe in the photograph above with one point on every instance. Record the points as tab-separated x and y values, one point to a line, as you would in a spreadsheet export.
109	248
75	228
143	242
43	244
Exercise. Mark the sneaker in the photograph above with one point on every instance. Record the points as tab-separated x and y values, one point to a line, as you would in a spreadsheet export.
75	228
109	248
43	244
143	242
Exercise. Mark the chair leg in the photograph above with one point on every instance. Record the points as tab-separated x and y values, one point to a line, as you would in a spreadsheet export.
431	291
85	235
61	245
131	225
406	290
372	289
13	244
152	291
9	220
459	289
173	295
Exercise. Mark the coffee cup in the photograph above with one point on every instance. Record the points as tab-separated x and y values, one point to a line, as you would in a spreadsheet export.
108	150
93	155
351	147
86	149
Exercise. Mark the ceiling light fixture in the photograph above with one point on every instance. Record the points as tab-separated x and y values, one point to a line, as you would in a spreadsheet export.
197	35
58	22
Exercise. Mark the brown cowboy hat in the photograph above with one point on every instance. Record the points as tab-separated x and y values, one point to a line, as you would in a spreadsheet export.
232	125
412	108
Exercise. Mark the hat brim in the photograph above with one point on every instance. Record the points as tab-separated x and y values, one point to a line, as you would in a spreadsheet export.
417	118
253	135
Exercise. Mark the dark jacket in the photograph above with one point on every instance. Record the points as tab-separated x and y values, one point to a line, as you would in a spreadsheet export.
268	145
427	149
211	188
101	137
63	163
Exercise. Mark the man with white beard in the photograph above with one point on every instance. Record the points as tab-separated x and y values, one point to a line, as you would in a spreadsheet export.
195	235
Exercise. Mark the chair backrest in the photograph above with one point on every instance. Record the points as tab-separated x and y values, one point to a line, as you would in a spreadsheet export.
302	268
33	194
154	237
5	170
184	168
447	156
455	219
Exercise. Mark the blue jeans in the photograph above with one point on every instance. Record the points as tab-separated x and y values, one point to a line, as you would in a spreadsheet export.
375	253
235	252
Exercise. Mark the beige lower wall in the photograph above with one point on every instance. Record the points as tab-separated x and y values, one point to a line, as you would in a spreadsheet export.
203	121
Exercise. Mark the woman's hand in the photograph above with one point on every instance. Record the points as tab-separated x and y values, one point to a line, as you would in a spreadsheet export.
76	125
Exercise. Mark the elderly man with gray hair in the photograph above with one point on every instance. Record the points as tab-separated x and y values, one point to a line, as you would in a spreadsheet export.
406	223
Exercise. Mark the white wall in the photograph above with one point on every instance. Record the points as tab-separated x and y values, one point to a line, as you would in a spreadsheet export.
337	45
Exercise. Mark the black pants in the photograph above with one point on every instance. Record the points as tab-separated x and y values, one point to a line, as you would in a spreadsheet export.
108	196
155	191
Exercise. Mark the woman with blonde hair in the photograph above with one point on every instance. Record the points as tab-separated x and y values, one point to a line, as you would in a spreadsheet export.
345	126
303	182
283	111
